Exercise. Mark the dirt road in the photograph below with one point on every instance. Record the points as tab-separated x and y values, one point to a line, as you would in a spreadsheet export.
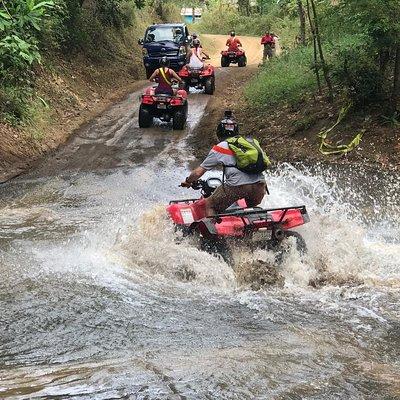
114	139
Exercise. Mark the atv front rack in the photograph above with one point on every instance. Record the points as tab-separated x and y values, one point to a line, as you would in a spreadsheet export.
187	201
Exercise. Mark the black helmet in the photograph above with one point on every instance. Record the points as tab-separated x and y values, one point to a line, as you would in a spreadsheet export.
196	42
228	127
164	62
233	33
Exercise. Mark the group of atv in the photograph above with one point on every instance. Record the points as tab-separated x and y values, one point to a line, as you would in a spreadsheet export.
174	108
262	228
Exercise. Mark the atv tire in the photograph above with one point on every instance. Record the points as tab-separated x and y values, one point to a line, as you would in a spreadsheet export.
218	248
179	120
145	117
209	86
224	61
242	61
301	245
275	244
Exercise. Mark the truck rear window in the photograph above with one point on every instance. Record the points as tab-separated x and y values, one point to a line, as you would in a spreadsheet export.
163	33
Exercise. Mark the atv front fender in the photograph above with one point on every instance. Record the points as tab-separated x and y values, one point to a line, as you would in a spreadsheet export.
205	227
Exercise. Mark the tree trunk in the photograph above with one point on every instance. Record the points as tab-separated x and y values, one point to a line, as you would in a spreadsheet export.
396	81
316	64
244	6
302	22
321	53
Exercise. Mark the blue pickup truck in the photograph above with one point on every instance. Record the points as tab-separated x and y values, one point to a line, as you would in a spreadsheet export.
170	40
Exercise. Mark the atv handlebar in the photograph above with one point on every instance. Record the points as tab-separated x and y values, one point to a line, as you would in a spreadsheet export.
207	187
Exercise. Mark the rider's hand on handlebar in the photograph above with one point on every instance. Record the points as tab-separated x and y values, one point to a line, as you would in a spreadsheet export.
186	184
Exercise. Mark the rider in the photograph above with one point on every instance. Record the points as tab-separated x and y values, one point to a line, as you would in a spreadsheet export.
238	184
268	40
195	57
164	76
195	36
233	42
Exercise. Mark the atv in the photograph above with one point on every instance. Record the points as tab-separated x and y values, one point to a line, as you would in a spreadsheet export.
233	57
163	106
200	78
260	227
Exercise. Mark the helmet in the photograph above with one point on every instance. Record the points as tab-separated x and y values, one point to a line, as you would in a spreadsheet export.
228	127
164	62
233	33
196	42
194	35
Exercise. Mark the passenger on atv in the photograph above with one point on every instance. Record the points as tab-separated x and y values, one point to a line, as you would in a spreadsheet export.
164	76
195	37
196	56
233	42
241	181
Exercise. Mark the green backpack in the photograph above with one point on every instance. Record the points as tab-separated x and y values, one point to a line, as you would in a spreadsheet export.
250	158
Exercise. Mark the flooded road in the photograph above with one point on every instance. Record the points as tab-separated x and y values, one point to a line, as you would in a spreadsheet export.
99	301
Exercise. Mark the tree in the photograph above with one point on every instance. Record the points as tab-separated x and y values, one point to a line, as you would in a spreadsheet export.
302	19
244	7
318	43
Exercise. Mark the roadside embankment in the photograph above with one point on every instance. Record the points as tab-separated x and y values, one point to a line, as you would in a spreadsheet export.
68	89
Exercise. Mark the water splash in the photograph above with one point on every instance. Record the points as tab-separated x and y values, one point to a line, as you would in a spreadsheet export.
343	246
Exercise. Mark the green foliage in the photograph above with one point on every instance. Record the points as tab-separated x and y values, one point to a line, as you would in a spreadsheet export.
353	67
222	18
359	39
285	79
115	13
13	104
20	22
361	57
103	30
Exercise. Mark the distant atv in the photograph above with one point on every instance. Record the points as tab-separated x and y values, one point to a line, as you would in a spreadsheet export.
233	57
200	78
163	106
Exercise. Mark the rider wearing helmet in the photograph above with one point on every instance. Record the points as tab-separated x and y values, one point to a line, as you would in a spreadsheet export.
238	184
164	76
233	42
195	56
195	36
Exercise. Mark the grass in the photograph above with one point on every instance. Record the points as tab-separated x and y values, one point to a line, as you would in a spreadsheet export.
223	19
285	79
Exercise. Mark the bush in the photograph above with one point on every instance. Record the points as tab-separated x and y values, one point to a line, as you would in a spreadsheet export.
20	25
353	66
283	79
13	104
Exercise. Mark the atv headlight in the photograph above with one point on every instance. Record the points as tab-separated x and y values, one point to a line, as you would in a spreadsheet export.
145	53
182	51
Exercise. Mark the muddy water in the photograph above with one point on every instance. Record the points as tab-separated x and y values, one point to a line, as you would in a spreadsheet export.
98	300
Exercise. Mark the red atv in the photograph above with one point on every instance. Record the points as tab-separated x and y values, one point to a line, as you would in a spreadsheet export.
200	78
163	106
233	57
264	228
